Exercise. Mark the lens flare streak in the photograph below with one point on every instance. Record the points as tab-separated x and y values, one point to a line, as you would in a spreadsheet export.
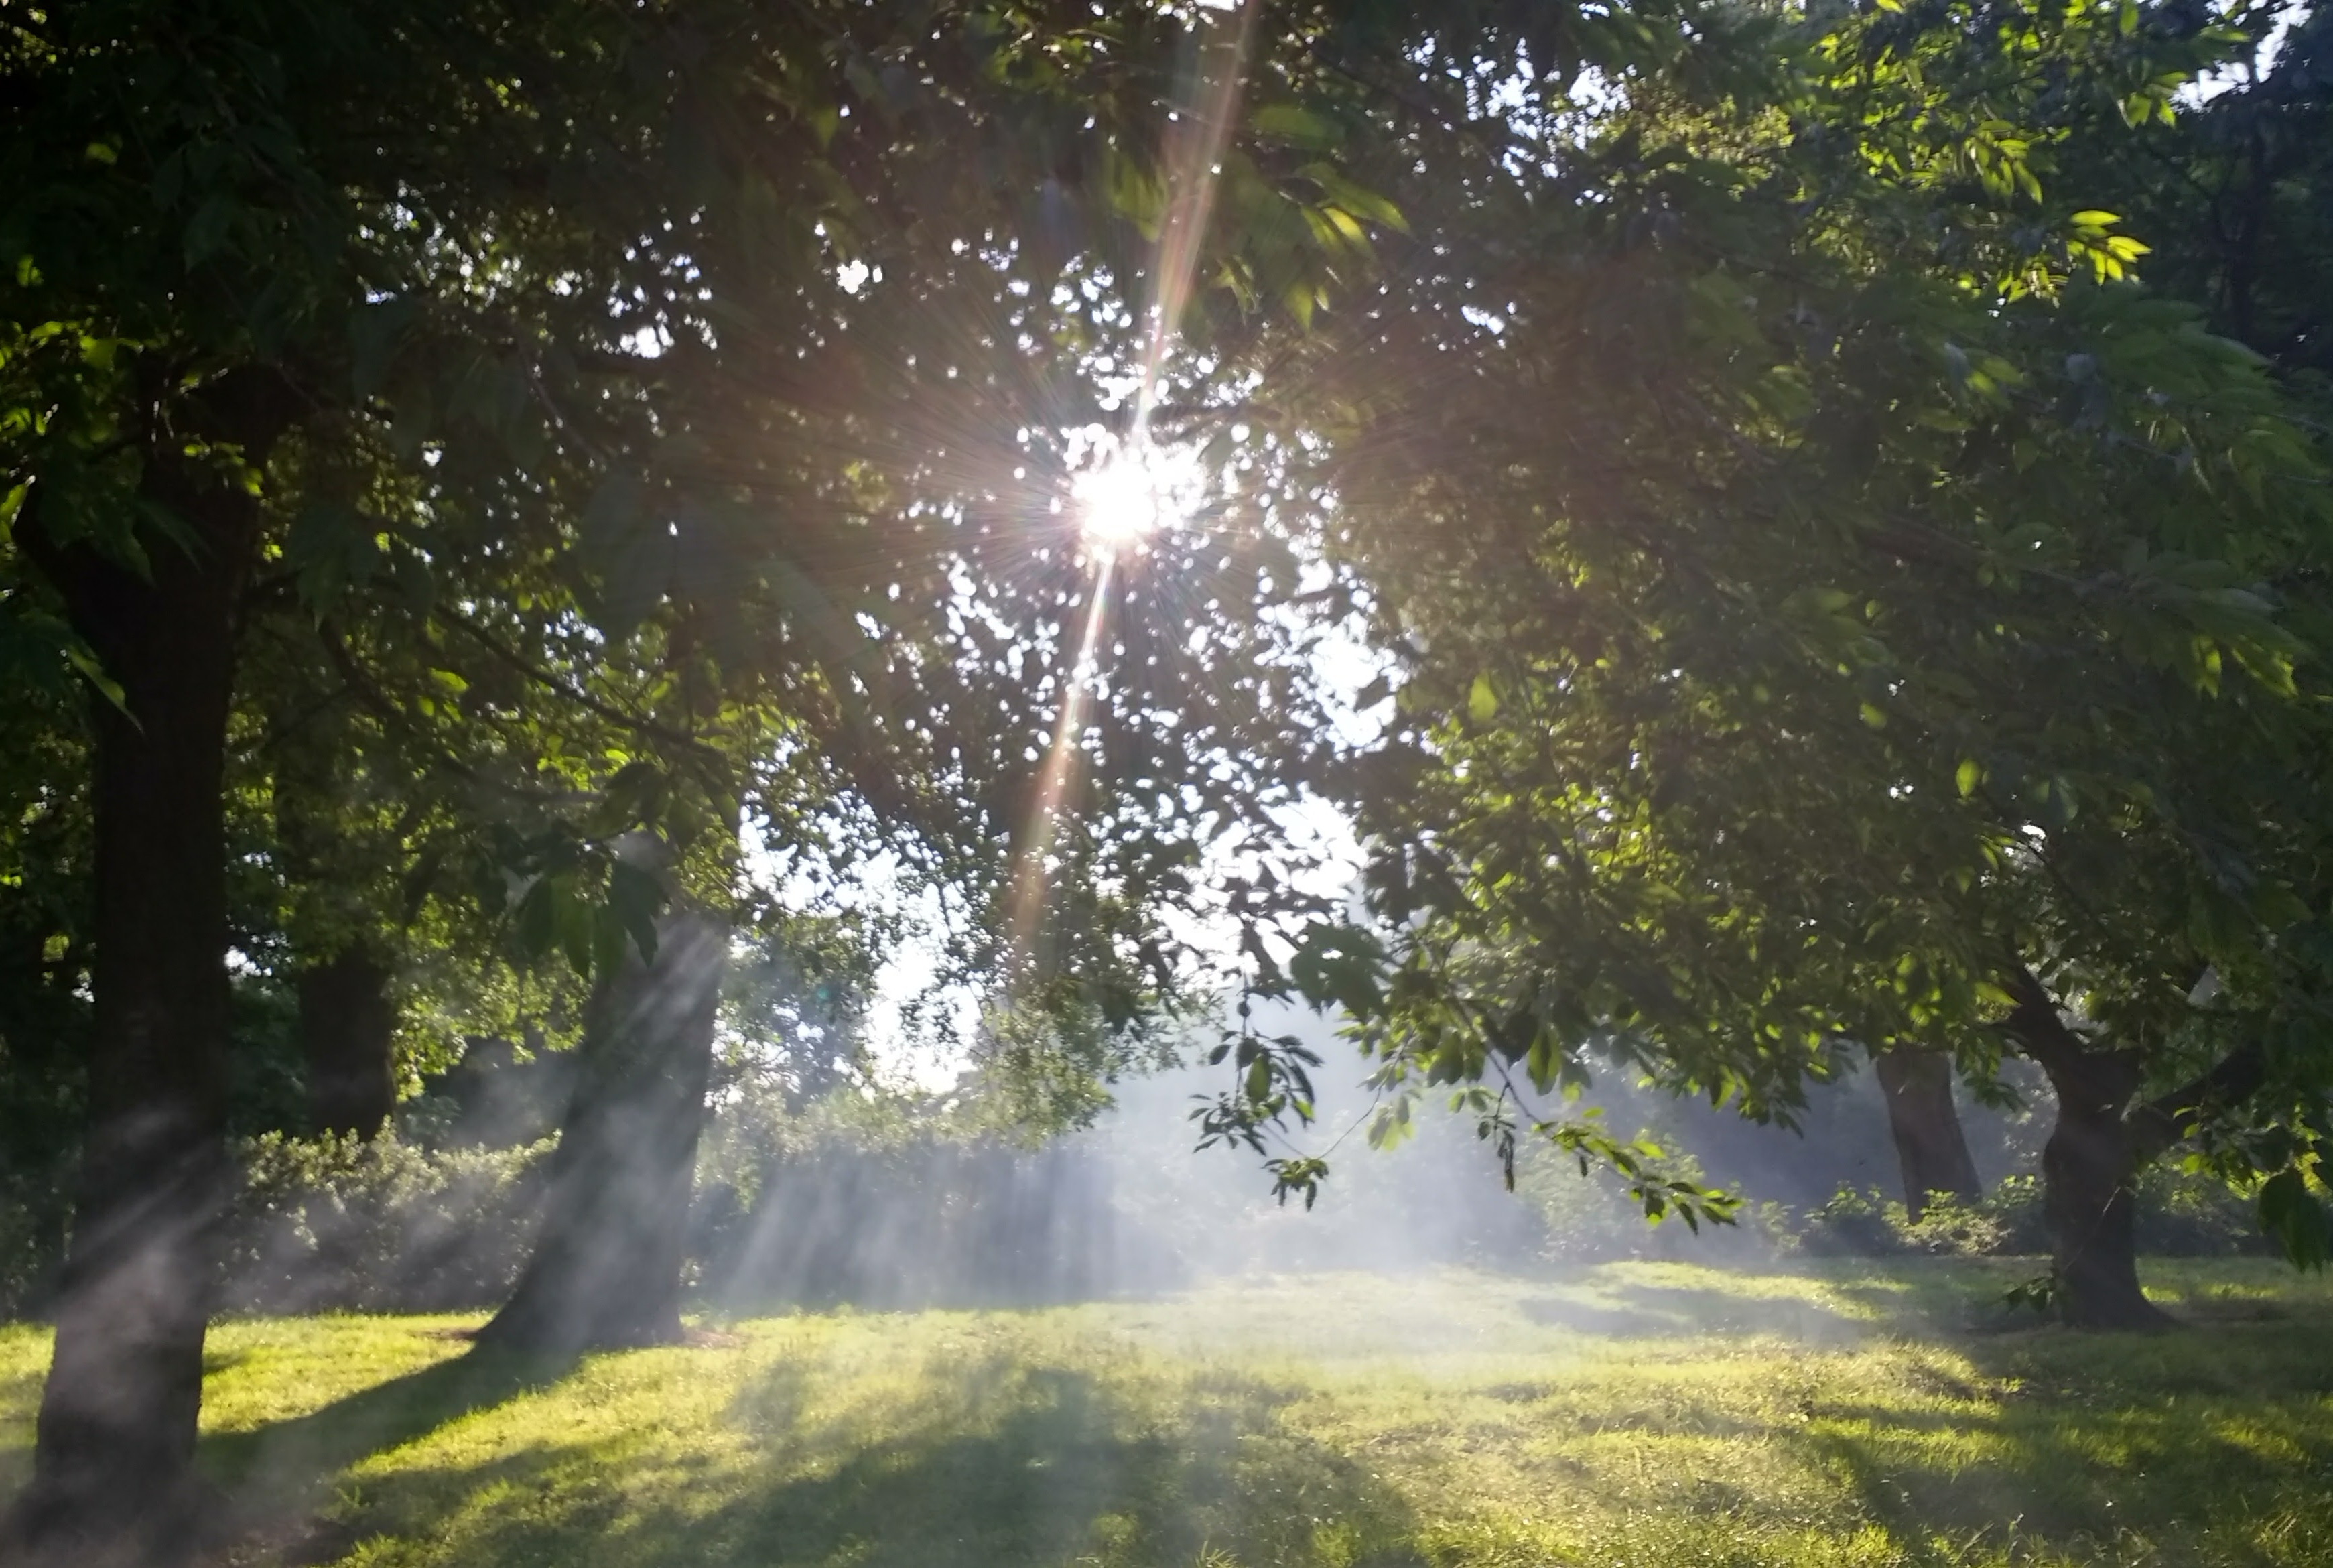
1026	902
1195	147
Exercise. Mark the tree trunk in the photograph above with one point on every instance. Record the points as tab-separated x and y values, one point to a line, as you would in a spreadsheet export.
112	1470
2090	1169
347	1025
1929	1143
607	1266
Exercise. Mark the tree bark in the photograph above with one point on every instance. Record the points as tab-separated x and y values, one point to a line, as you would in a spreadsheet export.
606	1271
346	1027
2090	1172
1929	1143
112	1468
2090	1169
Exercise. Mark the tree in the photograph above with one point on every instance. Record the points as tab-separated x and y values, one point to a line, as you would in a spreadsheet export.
1829	603
2232	195
606	1269
1918	1087
183	274
683	346
340	849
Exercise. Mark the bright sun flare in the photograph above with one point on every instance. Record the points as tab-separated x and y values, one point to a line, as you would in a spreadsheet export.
1122	500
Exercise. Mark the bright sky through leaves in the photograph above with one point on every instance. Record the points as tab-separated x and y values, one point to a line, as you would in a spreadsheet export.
1125	497
1120	503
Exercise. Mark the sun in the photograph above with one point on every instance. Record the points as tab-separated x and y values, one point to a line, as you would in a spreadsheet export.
1125	499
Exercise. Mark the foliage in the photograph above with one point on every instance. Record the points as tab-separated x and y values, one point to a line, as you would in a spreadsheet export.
2232	195
333	1224
2181	1213
1817	586
666	421
1592	1216
45	950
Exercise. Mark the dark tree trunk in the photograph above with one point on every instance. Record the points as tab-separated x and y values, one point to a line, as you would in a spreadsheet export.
347	1024
1929	1143
112	1470
2089	1169
607	1266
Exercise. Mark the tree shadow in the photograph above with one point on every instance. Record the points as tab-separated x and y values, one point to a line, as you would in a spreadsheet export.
2075	1439
272	1476
1014	1464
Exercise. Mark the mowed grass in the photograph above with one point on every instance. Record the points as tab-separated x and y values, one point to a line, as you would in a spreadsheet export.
1633	1414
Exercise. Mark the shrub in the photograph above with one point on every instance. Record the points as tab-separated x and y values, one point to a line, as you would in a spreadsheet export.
332	1222
2181	1213
2185	1213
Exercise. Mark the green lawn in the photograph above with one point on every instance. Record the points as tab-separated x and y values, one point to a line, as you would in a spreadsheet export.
1635	1414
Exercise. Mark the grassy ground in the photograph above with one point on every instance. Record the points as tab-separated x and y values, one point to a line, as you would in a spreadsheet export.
1635	1414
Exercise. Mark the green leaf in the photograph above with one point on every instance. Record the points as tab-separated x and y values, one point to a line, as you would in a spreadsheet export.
2292	1214
206	231
1356	199
615	512
1481	700
79	656
1294	123
1968	777
536	926
1337	966
577	930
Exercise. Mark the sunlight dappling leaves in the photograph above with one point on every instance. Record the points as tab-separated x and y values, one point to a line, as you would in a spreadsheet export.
1750	535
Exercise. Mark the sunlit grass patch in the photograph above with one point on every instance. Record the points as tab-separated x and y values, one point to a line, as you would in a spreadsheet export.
1630	1416
24	1361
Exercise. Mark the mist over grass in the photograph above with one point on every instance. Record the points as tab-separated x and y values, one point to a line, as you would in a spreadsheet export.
848	1198
1630	1414
915	1346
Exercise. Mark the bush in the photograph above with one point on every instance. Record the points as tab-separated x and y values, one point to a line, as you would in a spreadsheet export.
29	1248
334	1224
2181	1213
2185	1213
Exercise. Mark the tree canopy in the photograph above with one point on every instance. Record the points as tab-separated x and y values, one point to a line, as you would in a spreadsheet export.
1833	606
491	469
606	421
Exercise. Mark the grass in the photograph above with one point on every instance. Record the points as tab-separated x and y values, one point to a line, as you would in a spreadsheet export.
1630	1414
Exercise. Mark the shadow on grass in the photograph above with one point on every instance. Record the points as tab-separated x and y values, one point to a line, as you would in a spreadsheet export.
1013	1465
275	1476
1932	1299
2221	1437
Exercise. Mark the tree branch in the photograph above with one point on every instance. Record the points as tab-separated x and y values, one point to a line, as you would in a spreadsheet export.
2161	1122
2153	1125
575	694
2034	1024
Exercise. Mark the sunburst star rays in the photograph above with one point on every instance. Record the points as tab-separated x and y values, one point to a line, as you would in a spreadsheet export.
1124	498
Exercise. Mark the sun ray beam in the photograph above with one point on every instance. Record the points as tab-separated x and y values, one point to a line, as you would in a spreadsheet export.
1122	499
1025	903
